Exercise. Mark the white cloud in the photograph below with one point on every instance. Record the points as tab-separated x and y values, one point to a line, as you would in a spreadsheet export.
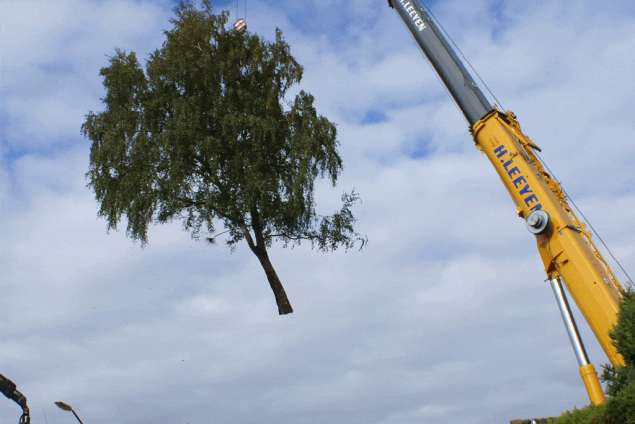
444	318
51	53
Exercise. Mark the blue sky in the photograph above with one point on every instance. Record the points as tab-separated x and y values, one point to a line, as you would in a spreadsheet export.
444	318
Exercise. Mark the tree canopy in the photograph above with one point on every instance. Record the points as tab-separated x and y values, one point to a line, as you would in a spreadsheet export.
214	132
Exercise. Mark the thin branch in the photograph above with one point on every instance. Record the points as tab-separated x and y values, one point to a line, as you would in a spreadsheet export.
218	234
269	236
189	203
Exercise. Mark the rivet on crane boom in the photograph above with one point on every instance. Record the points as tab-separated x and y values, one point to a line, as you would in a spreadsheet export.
565	245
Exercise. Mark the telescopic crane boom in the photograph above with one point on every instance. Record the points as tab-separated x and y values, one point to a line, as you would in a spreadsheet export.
565	245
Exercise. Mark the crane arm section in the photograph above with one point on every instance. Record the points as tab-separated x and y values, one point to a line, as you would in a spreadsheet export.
443	58
565	245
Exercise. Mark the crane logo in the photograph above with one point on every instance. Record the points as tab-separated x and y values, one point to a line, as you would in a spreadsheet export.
519	181
411	10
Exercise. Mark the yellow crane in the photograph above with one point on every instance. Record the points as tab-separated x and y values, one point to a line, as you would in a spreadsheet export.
567	250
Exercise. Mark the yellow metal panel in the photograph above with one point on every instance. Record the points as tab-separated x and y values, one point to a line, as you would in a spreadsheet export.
566	248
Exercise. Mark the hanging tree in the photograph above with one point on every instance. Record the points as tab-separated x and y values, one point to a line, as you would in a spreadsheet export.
207	135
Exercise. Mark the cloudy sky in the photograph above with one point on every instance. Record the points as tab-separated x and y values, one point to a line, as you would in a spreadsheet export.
443	318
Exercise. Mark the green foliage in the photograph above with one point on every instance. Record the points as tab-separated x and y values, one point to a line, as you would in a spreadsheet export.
620	405
621	408
589	415
623	336
617	378
624	332
210	134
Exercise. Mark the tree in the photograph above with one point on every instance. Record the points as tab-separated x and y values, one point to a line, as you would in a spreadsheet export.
210	134
623	334
621	380
620	405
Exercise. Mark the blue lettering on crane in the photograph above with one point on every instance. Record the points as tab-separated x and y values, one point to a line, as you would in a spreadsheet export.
519	182
500	151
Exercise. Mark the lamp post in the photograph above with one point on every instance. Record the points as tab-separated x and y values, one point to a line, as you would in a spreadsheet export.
66	407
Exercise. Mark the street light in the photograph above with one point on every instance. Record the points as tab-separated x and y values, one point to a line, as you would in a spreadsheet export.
66	407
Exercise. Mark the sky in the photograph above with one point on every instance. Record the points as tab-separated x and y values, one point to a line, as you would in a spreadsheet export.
443	318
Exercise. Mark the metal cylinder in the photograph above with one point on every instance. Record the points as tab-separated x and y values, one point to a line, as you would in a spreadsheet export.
444	59
587	371
569	322
592	384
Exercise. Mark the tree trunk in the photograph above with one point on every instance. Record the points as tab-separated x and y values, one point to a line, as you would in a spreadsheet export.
259	248
284	307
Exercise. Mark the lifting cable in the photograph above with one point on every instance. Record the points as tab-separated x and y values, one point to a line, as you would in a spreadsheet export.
465	59
630	282
237	9
240	24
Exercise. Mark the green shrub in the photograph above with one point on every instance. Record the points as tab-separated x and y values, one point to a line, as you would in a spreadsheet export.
620	405
623	335
617	378
620	409
589	415
624	332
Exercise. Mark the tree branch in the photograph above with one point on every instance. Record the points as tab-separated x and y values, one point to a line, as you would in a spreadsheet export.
189	203
290	237
250	240
257	226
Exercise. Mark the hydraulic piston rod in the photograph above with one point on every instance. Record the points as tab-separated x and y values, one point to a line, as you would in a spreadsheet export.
587	371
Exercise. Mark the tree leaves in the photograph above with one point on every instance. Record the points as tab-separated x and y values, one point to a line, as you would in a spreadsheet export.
205	134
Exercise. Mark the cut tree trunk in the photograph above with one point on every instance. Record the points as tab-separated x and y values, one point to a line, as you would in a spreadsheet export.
284	307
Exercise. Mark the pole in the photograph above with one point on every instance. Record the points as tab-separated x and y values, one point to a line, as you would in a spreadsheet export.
77	416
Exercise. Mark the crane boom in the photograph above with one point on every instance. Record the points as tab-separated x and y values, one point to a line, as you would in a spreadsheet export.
565	245
455	76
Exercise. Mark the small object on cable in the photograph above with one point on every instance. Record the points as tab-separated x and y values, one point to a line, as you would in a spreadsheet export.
10	390
240	25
